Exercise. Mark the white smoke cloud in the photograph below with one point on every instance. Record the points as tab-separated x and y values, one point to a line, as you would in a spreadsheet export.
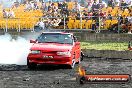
13	51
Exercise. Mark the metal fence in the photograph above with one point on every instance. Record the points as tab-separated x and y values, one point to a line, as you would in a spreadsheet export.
84	22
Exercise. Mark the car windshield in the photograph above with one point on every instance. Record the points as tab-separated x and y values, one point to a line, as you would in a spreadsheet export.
55	38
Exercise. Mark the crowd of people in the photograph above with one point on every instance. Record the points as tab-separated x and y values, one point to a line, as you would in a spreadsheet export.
92	11
54	13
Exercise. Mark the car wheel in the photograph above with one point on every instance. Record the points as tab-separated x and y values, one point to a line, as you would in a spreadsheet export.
31	65
82	56
72	65
79	61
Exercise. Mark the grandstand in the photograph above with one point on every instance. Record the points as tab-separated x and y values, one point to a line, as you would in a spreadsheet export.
75	15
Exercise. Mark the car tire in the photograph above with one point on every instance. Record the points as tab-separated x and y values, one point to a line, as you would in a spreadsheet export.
82	56
79	61
31	66
72	65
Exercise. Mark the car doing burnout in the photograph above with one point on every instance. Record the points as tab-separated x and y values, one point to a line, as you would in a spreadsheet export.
54	48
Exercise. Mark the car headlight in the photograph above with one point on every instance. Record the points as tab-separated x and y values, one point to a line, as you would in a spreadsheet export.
64	53
35	51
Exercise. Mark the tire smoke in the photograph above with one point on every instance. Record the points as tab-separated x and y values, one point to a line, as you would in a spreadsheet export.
13	51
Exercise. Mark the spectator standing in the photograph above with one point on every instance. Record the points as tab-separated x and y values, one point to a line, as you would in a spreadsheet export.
65	9
95	15
49	5
123	4
93	25
101	14
117	2
11	14
129	24
94	6
5	13
109	16
59	5
35	6
28	6
111	3
129	2
89	6
89	15
44	7
77	6
41	25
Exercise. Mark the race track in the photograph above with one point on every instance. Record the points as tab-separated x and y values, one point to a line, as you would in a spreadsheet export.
19	76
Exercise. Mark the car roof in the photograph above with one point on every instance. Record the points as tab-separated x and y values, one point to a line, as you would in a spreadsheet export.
58	32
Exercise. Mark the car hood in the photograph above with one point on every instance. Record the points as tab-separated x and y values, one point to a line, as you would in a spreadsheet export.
51	47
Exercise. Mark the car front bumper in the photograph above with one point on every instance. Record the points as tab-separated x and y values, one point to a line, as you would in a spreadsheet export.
56	60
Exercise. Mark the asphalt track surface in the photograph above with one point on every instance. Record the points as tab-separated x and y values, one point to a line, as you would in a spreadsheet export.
19	76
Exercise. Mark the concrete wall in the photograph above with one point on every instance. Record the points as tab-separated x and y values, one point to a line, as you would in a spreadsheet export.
104	36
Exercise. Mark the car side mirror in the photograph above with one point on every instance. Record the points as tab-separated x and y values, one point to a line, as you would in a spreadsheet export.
32	41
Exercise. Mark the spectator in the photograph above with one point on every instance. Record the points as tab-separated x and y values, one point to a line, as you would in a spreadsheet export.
77	6
104	4
129	19
49	11
129	2
54	8
41	25
111	3
56	22
109	16
15	4
64	8
123	4
60	5
94	6
101	13
5	14
44	7
120	19
35	6
32	4
97	23
89	6
89	15
28	6
11	14
117	2
49	5
95	15
130	26
93	26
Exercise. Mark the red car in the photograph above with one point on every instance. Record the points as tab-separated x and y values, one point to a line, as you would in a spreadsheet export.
54	48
